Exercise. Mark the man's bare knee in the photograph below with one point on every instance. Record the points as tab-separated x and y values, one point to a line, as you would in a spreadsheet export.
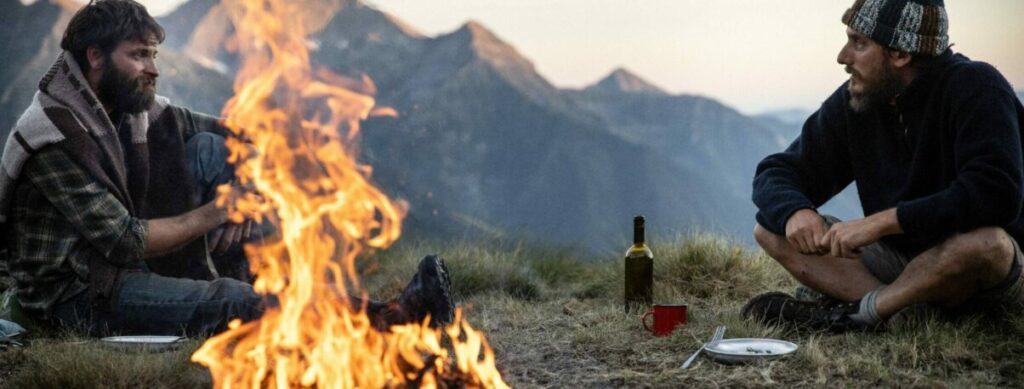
985	251
773	244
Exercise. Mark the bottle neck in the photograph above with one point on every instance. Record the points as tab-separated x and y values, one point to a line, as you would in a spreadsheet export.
638	233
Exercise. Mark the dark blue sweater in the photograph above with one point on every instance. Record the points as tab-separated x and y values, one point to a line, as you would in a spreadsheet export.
947	156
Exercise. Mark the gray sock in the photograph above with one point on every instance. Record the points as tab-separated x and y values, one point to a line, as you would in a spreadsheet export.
867	314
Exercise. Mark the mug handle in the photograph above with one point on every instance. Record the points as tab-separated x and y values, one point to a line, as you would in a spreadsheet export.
643	320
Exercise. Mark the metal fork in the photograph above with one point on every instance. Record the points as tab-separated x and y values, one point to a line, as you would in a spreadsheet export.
719	334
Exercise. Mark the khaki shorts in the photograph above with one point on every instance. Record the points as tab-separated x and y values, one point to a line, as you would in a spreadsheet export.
886	263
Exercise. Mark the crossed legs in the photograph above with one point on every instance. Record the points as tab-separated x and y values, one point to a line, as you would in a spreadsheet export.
946	275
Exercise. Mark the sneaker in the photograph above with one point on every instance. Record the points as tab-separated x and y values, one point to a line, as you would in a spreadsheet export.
429	292
777	308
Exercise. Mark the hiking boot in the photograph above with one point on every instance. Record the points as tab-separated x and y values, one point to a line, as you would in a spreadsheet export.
429	292
777	308
804	293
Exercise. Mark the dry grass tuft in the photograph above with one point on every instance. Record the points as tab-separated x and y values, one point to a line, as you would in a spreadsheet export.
704	266
70	362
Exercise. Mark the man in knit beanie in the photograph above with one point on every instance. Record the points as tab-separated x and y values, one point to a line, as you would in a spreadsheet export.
933	141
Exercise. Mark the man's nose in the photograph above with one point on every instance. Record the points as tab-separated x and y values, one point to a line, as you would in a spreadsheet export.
844	57
151	69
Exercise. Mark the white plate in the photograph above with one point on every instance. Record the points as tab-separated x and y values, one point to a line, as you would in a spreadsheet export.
145	343
749	349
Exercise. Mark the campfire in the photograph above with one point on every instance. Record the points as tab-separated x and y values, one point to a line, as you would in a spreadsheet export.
301	127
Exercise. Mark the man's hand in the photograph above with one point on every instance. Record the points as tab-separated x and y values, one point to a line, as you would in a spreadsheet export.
169	234
227	235
804	230
224	237
845	239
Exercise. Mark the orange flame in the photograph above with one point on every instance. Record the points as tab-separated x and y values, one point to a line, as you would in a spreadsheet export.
302	127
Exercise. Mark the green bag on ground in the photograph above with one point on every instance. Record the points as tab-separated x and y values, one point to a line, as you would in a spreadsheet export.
10	309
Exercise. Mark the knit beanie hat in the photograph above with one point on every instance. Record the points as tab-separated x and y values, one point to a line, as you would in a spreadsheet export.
913	26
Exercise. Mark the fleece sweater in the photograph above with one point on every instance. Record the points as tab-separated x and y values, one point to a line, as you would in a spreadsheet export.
947	155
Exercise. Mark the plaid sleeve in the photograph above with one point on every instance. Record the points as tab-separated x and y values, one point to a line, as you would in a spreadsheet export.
89	207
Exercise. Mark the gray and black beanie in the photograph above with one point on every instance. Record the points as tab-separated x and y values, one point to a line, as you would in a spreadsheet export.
914	26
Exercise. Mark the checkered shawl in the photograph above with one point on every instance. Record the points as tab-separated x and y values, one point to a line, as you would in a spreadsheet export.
913	26
65	114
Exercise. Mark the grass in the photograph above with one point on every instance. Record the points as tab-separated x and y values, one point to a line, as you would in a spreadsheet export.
71	362
555	319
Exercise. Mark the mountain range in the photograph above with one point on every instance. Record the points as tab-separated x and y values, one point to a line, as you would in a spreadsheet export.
483	145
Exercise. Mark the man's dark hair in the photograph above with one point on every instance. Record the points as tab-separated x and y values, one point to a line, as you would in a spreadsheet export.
106	23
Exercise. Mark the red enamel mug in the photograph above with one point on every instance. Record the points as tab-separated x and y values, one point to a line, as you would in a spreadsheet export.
666	318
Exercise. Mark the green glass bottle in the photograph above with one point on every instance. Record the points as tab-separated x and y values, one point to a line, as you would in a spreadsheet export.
639	270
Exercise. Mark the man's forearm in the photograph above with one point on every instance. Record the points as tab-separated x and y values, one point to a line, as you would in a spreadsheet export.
168	234
886	222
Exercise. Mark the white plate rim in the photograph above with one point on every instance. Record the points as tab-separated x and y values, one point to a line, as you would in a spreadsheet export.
143	339
711	347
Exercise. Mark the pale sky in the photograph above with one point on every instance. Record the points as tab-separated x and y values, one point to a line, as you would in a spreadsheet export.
753	55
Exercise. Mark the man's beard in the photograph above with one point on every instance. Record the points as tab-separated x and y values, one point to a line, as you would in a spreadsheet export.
877	92
123	94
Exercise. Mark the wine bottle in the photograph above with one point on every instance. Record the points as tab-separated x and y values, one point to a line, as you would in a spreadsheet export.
639	270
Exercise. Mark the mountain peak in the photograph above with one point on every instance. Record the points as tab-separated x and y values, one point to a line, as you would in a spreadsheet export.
478	33
489	47
621	80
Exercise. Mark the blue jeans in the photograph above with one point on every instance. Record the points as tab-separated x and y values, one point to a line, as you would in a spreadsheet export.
147	303
150	304
206	158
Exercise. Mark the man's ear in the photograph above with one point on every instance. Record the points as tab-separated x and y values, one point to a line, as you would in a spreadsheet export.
900	59
95	57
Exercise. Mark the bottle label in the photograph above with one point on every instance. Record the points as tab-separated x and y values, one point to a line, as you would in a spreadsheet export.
639	282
